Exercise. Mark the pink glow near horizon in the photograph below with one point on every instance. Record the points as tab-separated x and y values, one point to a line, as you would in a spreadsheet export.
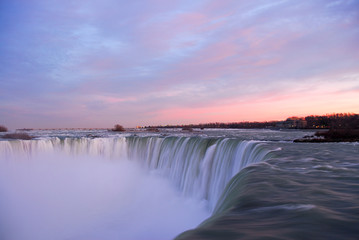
105	62
271	107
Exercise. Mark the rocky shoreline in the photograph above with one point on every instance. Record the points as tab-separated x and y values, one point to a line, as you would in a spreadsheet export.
333	135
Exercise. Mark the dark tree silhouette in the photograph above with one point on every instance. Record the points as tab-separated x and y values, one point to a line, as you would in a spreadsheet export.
3	128
118	128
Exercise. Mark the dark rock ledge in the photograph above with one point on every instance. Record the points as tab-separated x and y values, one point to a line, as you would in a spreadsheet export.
333	135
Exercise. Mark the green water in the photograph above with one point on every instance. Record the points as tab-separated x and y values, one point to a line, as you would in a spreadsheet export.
306	191
254	184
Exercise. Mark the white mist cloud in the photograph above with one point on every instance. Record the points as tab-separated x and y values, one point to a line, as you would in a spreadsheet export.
58	196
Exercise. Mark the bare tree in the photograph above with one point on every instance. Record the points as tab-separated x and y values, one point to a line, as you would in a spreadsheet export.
118	128
3	128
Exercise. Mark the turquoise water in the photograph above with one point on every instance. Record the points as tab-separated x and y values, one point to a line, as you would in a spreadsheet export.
211	184
304	192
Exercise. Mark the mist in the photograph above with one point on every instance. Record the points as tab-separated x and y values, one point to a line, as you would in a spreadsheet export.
62	196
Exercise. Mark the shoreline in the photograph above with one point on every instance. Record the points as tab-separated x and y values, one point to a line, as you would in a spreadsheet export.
332	135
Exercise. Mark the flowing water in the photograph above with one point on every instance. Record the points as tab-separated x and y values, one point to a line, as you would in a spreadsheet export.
214	184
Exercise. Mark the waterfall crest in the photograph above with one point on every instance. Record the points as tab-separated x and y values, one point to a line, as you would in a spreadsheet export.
199	167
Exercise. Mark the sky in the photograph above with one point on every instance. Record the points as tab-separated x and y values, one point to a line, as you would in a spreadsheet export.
156	62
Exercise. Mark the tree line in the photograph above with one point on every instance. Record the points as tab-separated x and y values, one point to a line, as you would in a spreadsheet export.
329	121
334	121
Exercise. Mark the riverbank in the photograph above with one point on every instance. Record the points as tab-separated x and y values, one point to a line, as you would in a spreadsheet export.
333	135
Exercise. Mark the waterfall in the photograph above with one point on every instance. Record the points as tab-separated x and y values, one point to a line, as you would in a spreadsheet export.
198	167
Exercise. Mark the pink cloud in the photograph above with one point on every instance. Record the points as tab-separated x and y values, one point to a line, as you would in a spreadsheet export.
274	108
157	35
112	100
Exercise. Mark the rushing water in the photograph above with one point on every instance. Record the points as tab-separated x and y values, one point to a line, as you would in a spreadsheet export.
222	184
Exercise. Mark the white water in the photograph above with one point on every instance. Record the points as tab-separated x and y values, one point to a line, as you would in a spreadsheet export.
60	196
199	167
82	188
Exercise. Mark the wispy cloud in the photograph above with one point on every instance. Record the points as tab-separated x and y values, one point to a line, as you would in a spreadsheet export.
154	61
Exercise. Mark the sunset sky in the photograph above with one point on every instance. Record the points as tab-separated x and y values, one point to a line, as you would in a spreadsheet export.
97	63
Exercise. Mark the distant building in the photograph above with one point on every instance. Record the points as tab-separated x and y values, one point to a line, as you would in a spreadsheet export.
293	122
